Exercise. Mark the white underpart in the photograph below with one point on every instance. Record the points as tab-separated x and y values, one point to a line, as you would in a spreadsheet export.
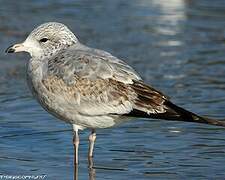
77	127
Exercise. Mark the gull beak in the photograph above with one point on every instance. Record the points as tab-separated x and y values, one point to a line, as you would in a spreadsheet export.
15	48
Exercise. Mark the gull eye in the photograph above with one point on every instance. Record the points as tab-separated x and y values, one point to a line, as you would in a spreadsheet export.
44	40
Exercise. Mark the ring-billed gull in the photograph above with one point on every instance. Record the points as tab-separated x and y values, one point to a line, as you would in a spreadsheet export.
90	88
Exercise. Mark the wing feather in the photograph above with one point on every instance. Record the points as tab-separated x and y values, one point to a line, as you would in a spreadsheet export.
96	83
91	64
148	99
91	97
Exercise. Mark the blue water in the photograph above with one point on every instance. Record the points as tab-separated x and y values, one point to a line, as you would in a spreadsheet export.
177	46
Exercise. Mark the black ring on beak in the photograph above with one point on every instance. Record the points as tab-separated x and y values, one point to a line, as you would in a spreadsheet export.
10	49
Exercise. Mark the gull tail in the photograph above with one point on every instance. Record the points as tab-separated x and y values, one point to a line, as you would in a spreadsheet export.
180	114
151	103
176	113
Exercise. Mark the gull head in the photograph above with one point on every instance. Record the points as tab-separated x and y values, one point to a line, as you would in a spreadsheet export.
45	40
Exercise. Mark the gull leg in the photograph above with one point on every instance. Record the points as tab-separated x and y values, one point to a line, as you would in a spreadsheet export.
76	172
92	138
75	144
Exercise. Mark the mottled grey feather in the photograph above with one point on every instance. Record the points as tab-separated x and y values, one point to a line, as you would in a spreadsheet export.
84	62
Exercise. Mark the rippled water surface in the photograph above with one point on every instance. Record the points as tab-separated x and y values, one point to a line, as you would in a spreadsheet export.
177	46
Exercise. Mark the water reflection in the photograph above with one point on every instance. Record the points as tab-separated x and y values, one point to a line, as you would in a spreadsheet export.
91	170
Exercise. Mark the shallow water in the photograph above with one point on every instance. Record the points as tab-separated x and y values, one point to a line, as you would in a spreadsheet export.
178	47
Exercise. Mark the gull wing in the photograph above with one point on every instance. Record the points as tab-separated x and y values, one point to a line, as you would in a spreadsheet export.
84	62
99	84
